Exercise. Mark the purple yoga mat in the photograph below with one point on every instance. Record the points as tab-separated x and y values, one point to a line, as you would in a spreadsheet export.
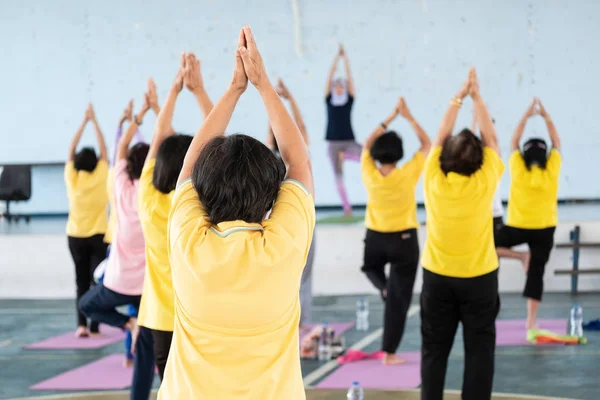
106	373
372	374
339	327
68	340
512	332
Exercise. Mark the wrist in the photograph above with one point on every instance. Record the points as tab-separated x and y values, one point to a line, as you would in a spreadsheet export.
265	87
236	91
198	90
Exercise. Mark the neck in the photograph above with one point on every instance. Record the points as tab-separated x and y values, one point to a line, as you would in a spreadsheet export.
385	169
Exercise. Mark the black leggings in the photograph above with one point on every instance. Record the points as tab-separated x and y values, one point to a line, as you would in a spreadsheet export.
401	250
162	345
540	242
87	253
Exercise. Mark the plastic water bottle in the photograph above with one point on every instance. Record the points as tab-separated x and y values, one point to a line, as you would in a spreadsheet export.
355	392
576	321
362	314
324	344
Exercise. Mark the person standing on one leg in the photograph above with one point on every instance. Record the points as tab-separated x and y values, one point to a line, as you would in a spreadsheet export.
391	222
124	275
157	185
533	204
339	97
306	279
85	180
460	279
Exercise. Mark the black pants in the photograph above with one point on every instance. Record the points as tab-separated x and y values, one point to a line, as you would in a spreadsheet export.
87	253
401	250
100	304
143	366
162	345
445	302
540	242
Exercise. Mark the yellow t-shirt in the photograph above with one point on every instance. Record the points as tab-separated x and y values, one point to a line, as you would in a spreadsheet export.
236	300
86	192
112	215
391	204
460	237
156	309
533	199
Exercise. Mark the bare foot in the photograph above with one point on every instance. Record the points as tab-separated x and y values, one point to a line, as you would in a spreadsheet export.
525	258
133	327
81	332
128	363
392	359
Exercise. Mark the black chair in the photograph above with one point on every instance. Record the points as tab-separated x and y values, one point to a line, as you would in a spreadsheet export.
15	185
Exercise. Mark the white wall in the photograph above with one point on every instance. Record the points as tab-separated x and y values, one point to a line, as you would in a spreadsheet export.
40	266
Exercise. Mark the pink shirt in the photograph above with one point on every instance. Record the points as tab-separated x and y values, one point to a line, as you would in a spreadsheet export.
126	262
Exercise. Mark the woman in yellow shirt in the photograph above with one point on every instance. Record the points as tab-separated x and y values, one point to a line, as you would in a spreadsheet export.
157	185
236	273
85	180
532	204
460	280
391	222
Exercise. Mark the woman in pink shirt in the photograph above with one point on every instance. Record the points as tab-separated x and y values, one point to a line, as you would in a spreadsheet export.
124	275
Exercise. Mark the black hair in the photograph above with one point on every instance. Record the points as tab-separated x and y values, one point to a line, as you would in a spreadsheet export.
237	178
169	160
535	153
85	160
462	154
136	156
387	148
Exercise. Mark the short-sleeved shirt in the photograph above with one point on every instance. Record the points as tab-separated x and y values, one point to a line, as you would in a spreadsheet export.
391	204
533	198
126	262
460	236
237	308
112	215
86	192
156	309
339	124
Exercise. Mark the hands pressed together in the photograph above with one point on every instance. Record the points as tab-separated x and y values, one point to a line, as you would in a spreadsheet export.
536	108
470	87
249	65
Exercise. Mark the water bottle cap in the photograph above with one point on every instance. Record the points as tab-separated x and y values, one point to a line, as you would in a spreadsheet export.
325	324
355	383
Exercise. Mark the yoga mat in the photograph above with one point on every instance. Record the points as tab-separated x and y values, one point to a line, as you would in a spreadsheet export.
512	332
372	374
106	373
339	327
68	341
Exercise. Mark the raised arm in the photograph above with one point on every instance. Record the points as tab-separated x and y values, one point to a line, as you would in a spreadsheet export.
195	84
554	138
518	133
163	127
291	144
127	116
99	135
126	138
216	122
487	128
332	72
349	80
285	93
449	119
381	128
153	96
421	134
78	133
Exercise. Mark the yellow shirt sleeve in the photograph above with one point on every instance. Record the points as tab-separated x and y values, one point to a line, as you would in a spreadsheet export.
492	164
70	174
146	188
187	212
292	219
554	163
368	166
412	169
517	164
432	163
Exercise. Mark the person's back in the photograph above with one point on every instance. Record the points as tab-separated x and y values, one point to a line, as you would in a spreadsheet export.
533	199
236	273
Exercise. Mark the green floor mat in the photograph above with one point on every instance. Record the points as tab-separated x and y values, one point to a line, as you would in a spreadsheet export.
340	219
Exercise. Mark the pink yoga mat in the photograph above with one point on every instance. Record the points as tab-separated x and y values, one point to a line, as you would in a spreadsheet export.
106	373
372	374
512	332
339	327
68	341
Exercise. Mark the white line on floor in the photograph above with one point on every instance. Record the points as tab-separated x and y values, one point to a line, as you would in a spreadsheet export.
361	344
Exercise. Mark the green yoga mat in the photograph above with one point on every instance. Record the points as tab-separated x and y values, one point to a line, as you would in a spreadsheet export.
340	219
